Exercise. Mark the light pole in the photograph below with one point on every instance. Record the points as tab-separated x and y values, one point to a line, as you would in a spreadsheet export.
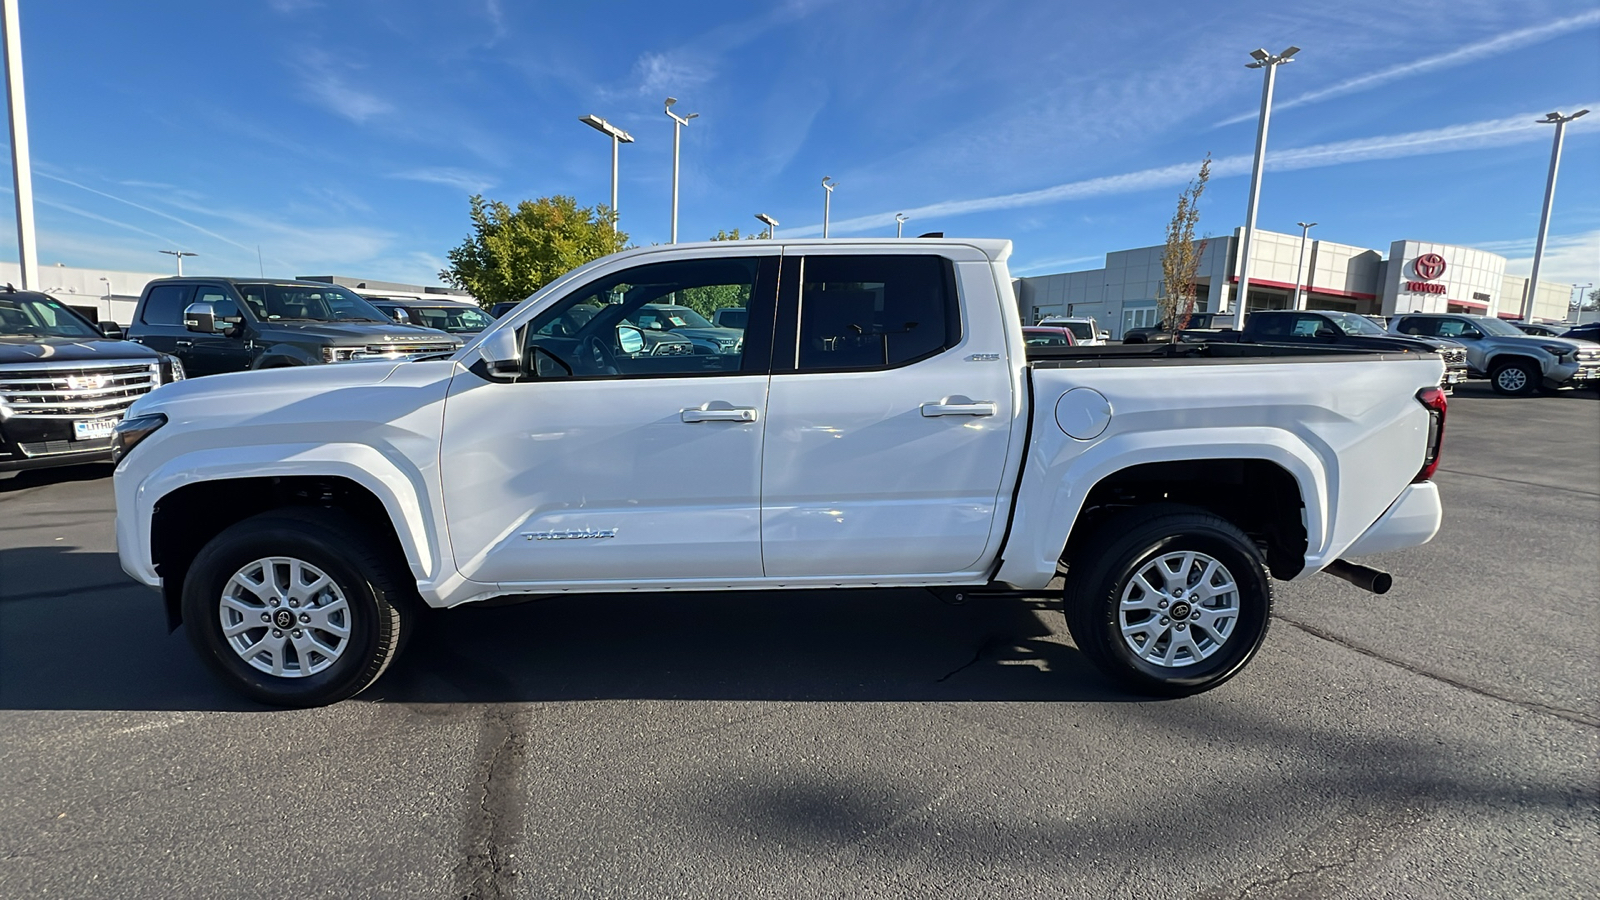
1583	294
677	126
1300	270
828	185
21	162
769	221
618	137
900	224
1560	121
1263	60
179	255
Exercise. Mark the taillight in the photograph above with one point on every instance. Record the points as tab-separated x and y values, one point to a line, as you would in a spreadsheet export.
1434	400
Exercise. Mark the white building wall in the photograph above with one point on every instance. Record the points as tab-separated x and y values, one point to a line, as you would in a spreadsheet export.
112	294
1473	280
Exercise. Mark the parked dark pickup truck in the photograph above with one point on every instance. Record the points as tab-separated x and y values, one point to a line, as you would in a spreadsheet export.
1331	328
64	384
218	325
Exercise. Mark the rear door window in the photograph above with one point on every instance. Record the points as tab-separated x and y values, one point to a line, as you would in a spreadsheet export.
164	304
873	312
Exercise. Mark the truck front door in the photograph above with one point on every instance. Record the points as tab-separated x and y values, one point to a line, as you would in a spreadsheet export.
889	418
613	459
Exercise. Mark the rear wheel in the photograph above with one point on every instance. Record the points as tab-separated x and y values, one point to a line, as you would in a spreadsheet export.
1515	378
297	607
1168	600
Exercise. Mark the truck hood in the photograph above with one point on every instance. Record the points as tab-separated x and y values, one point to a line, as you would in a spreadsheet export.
204	397
361	333
30	350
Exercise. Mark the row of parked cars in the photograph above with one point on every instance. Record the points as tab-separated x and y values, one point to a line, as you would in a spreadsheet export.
1516	358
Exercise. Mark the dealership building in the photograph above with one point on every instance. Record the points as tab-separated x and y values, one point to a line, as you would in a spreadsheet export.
1414	276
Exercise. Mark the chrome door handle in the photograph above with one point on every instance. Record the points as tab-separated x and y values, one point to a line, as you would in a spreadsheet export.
182	343
710	412
961	406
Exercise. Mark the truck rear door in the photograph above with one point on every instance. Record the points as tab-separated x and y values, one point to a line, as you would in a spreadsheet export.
888	418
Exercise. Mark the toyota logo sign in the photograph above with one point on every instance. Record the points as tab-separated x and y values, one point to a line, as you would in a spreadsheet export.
1429	266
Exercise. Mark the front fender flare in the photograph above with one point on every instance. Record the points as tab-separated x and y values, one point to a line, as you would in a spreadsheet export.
402	492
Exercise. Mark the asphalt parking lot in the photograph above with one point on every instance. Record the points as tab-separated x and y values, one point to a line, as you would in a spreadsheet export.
1439	741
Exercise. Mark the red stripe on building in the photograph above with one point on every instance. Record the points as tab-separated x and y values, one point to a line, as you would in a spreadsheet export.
1353	295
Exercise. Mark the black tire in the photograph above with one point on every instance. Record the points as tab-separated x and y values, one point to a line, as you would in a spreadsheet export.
1515	379
376	587
1105	567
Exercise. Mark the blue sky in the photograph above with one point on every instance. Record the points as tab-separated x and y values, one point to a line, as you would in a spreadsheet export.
345	137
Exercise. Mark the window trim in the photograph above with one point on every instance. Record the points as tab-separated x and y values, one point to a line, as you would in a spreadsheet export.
787	321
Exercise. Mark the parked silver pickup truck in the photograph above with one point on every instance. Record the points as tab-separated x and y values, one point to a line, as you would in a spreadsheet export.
882	423
1514	362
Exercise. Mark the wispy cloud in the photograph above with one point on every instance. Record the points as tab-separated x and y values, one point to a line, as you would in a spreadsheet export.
326	81
1467	136
1055	263
1569	258
460	179
140	206
1495	46
289	7
677	70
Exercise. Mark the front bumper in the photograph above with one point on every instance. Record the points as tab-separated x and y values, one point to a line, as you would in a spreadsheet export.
40	443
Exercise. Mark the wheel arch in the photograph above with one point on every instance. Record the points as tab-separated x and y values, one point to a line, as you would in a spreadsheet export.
1258	496
195	496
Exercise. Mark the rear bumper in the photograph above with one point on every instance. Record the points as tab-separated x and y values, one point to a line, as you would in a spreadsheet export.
1410	521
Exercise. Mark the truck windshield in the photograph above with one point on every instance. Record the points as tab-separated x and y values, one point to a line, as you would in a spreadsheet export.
36	316
1497	327
1350	323
666	318
307	303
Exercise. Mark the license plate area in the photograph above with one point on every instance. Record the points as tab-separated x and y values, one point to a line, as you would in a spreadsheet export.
93	429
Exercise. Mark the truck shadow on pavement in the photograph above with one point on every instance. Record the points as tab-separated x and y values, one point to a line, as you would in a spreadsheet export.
86	637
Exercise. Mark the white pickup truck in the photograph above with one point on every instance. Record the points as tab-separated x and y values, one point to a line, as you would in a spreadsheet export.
879	423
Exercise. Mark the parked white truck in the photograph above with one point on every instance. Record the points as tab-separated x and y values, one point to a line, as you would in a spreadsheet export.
879	424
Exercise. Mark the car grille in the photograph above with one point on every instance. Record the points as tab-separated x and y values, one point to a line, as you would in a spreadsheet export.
673	348
411	349
56	448
1588	355
75	390
1454	357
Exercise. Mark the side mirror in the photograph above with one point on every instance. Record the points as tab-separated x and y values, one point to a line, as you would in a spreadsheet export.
111	330
630	339
1469	336
1104	335
500	352
200	317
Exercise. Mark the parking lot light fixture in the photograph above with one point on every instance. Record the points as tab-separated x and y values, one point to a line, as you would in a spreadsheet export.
1560	121
179	255
1300	270
677	127
769	221
828	184
1270	63
900	220
618	137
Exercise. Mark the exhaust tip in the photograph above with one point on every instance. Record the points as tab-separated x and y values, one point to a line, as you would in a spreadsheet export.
1364	577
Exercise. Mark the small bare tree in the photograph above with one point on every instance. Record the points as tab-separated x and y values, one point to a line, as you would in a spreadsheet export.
1181	259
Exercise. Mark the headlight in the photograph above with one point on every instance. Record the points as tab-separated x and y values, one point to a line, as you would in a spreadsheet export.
171	370
339	354
129	432
1555	350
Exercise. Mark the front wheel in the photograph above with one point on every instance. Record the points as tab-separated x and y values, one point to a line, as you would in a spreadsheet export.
1168	600
296	607
1518	379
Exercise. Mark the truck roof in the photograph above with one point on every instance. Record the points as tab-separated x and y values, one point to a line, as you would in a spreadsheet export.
992	249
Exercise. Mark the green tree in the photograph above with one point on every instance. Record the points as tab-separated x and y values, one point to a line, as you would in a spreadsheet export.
512	253
734	235
1181	258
